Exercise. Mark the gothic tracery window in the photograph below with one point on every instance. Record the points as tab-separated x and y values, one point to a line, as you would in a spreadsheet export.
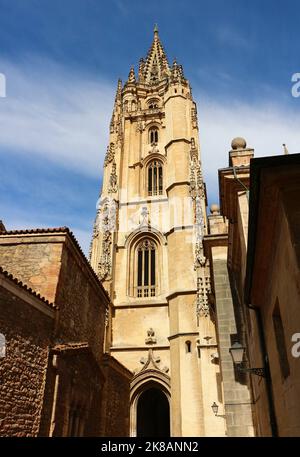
153	135
153	104
146	268
155	178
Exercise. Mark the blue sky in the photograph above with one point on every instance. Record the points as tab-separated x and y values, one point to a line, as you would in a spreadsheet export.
61	60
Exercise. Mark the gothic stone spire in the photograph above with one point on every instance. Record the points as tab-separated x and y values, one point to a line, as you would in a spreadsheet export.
131	76
156	65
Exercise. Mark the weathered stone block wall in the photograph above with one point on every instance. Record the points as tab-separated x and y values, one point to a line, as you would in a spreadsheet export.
80	387
23	370
236	394
52	265
33	260
82	309
115	407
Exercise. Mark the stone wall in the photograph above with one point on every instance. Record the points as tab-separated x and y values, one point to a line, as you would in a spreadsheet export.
52	265
82	303
23	370
116	398
79	383
236	393
39	390
35	260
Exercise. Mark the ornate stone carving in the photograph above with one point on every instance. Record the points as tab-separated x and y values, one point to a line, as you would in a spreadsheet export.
113	180
177	73
196	180
139	126
119	131
144	218
151	337
199	229
107	224
197	193
203	289
110	154
104	270
112	124
141	70
131	76
154	149
152	362
194	117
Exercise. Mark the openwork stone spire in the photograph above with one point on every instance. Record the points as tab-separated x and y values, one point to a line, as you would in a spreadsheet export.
131	76
119	91
156	66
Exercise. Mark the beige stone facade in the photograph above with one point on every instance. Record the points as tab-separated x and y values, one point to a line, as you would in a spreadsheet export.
147	249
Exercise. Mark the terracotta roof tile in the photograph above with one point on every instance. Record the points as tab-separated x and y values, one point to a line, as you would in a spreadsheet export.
28	289
58	230
71	346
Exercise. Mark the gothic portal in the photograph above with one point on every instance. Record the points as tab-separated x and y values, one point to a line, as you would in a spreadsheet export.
147	250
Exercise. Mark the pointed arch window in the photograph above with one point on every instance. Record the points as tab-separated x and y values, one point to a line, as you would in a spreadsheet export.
153	103
155	178
146	254
153	135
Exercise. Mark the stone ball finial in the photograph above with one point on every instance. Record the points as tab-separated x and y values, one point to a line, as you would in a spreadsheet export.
214	209
238	143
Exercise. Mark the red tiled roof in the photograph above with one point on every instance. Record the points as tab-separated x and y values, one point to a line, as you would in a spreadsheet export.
57	230
28	289
66	347
35	230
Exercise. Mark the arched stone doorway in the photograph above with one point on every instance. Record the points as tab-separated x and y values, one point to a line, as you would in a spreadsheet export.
149	398
153	414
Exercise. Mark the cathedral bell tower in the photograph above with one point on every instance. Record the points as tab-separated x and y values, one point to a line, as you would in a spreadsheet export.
147	250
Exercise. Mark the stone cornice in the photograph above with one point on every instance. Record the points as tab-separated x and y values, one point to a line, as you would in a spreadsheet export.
177	292
177	140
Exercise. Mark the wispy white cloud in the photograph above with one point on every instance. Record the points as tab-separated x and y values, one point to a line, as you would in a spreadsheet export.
121	7
51	112
228	36
264	125
18	219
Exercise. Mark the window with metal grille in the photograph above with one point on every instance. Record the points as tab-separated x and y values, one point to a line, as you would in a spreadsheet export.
146	269
155	178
